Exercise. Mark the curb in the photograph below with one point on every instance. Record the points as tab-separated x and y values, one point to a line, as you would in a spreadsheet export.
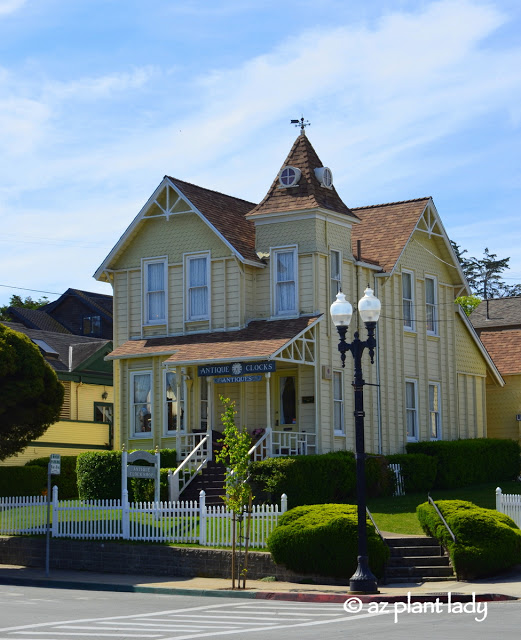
255	595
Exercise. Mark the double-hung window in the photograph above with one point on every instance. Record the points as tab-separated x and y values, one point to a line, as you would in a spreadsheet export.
431	305
335	273
285	278
408	300
155	280
174	402
197	287
338	402
411	409
434	410
141	402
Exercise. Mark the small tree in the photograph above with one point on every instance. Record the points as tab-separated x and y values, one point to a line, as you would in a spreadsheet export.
468	303
31	395
234	454
18	301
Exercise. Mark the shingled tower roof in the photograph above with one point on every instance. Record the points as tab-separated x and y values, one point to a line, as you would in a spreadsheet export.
309	193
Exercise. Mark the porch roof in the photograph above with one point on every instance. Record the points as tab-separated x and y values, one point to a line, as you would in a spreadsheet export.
261	339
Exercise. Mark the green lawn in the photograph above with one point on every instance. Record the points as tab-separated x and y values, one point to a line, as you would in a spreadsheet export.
398	514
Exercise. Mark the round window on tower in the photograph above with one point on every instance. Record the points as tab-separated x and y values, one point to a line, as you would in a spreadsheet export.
289	177
324	176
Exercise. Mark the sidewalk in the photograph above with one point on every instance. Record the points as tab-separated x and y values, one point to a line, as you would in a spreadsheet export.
504	587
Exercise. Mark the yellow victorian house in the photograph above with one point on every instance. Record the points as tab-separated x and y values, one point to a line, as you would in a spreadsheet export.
214	295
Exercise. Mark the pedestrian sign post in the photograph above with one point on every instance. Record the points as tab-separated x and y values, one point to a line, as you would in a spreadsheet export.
53	469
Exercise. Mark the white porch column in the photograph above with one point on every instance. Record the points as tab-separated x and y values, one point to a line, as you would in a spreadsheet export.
178	383
268	413
209	424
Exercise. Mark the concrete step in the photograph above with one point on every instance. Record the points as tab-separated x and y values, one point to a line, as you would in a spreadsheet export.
412	541
420	579
431	572
416	551
419	561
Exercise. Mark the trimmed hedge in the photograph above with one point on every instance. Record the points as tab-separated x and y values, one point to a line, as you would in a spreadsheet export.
465	462
99	475
22	481
317	479
323	539
487	541
67	481
418	470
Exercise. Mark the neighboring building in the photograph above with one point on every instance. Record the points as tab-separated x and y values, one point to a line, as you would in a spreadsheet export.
82	313
87	413
498	323
215	296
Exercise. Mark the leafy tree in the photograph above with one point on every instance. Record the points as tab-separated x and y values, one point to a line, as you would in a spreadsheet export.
18	301
31	395
468	303
484	274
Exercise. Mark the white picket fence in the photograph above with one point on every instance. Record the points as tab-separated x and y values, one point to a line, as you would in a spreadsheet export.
509	504
181	521
400	485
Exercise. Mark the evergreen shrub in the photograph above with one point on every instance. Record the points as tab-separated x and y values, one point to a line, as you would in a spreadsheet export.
323	539
22	481
317	479
99	475
487	541
67	481
418	470
466	462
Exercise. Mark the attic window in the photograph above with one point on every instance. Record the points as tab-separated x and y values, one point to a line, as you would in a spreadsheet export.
43	346
324	176
289	177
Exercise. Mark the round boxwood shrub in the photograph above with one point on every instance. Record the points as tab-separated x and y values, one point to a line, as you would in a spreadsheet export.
67	481
487	541
323	539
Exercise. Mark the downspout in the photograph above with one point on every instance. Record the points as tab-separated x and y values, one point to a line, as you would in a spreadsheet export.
378	390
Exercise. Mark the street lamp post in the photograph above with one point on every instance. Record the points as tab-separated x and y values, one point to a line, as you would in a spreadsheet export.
362	581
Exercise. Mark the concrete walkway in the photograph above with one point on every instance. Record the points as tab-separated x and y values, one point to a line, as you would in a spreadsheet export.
504	587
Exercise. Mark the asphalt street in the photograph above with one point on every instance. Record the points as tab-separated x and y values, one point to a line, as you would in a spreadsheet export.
59	614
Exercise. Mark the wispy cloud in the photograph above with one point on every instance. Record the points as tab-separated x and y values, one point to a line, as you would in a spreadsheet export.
10	6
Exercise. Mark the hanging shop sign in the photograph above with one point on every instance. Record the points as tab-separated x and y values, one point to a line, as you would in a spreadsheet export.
237	379
236	368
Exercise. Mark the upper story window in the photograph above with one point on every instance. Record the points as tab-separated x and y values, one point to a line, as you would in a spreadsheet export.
103	412
289	177
285	266
335	273
155	280
91	325
411	408
408	300
197	287
431	305
140	400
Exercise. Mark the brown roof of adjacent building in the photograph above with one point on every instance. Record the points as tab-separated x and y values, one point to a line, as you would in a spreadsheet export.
504	347
260	339
502	312
309	194
36	319
226	214
385	229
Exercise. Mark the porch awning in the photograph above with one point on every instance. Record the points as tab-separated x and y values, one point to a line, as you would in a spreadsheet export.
260	340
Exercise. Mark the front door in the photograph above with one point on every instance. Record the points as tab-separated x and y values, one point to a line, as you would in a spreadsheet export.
286	402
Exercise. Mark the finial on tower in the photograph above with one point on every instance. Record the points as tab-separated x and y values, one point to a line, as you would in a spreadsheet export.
302	124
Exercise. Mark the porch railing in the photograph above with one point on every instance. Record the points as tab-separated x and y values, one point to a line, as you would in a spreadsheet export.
196	460
293	443
260	449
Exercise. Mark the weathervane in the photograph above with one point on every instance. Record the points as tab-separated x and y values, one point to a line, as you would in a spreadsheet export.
302	124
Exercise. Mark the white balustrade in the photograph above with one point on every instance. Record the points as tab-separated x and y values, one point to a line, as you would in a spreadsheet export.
293	443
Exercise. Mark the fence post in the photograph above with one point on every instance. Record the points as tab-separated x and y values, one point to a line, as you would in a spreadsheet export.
54	528
283	503
174	486
125	516
202	518
498	499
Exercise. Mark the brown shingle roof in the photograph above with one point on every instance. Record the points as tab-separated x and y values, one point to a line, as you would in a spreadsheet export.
504	348
259	339
503	312
36	319
385	230
226	214
309	194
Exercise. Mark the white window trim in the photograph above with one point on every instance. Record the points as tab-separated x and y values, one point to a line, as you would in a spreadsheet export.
144	275
134	433
435	305
435	384
274	282
412	326
186	262
339	432
414	438
331	279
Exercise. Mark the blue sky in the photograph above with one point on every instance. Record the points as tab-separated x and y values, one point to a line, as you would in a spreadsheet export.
99	99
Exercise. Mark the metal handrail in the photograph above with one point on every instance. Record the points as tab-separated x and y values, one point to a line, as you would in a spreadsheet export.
258	443
192	453
375	525
431	501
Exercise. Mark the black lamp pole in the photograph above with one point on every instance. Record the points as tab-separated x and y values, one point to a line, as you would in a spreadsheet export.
362	581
